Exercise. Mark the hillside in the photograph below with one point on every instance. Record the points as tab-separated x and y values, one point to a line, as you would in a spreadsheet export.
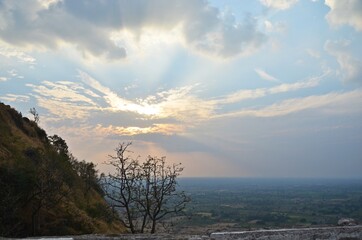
44	190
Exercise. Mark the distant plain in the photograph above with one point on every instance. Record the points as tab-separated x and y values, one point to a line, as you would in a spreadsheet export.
233	204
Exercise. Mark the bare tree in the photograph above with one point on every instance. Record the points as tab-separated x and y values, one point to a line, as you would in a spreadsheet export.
146	192
35	114
160	195
120	186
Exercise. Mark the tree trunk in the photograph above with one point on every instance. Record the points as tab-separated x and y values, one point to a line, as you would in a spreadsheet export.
144	222
34	223
153	230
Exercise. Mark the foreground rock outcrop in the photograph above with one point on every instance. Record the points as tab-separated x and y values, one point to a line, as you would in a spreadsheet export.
328	233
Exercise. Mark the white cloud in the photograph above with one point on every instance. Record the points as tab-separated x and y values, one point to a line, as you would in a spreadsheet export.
130	87
274	27
313	53
266	76
178	103
69	100
116	102
48	3
3	79
351	67
165	129
262	92
181	104
11	52
345	12
13	73
241	95
279	4
89	26
65	100
268	26
287	87
63	91
15	98
100	131
327	102
65	110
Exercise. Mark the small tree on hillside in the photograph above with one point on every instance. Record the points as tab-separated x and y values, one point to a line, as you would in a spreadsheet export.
59	145
49	190
145	193
35	114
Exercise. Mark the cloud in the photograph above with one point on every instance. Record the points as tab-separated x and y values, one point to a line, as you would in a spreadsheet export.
130	87
287	87
279	4
70	100
327	101
242	95
181	104
264	75
116	102
351	67
64	91
274	27
262	92
65	110
3	79
313	53
345	12
15	98
178	103
89	26
48	3
13	73
166	112
11	52
224	40
164	129
100	130
39	25
66	100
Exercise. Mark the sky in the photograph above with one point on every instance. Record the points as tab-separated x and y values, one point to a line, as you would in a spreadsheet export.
234	88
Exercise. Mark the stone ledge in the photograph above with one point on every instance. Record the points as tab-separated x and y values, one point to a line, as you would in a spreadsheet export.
326	233
323	233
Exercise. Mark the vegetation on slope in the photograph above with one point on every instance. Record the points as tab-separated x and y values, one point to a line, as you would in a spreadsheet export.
44	190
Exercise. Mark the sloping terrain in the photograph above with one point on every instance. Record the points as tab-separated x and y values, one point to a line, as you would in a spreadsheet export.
44	190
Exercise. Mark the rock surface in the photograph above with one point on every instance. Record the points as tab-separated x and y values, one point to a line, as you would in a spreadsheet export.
347	222
326	233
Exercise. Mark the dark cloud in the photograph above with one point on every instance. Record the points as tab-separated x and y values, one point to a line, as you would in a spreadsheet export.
89	24
33	24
